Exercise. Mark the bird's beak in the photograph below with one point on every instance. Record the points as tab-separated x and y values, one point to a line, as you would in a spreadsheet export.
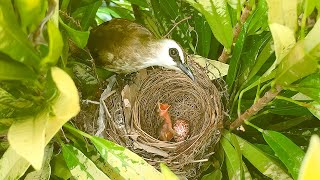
185	69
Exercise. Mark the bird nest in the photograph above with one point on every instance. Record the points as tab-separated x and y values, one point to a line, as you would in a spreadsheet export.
132	117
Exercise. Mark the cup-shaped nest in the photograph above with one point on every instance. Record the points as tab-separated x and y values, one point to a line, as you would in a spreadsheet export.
133	118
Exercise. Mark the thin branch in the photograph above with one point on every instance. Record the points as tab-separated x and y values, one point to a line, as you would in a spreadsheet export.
256	107
176	24
236	31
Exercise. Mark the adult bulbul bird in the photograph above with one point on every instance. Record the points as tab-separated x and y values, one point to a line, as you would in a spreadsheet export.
123	46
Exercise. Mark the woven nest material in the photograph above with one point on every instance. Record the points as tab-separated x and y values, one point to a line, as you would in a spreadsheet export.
133	118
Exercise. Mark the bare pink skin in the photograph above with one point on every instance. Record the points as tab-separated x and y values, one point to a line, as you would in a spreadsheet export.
166	131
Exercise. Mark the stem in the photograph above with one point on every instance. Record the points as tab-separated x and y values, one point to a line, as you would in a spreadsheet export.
236	31
252	125
293	101
256	107
71	128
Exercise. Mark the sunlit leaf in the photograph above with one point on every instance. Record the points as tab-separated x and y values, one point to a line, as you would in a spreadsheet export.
215	68
14	42
45	171
217	15
27	138
79	37
288	152
89	14
311	162
80	166
167	173
12	165
284	40
236	3
31	13
65	106
284	13
301	60
55	44
259	21
127	163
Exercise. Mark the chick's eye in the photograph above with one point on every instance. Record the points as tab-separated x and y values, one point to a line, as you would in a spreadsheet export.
173	52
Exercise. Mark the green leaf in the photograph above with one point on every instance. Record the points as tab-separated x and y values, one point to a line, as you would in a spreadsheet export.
236	3
204	35
170	8
80	38
315	109
288	152
167	173
55	44
119	12
235	59
59	167
14	42
259	21
282	107
12	166
31	13
261	161
13	70
89	14
141	3
309	86
232	159
216	175
217	15
302	60
80	166
123	161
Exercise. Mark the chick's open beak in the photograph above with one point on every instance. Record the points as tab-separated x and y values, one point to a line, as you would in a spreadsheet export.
185	68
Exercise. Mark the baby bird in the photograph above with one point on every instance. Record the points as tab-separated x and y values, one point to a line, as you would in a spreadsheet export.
166	132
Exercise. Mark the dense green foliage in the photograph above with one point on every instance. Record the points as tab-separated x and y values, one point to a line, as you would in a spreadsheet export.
273	82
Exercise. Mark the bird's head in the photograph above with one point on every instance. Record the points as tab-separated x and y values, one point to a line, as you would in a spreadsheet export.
170	55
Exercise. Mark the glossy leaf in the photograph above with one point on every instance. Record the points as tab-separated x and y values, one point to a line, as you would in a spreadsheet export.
167	173
311	162
55	44
301	60
261	161
12	165
13	70
14	42
80	166
288	152
232	159
80	38
125	162
309	86
259	21
235	59
217	15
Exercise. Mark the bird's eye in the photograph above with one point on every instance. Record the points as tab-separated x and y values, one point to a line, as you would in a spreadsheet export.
173	52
